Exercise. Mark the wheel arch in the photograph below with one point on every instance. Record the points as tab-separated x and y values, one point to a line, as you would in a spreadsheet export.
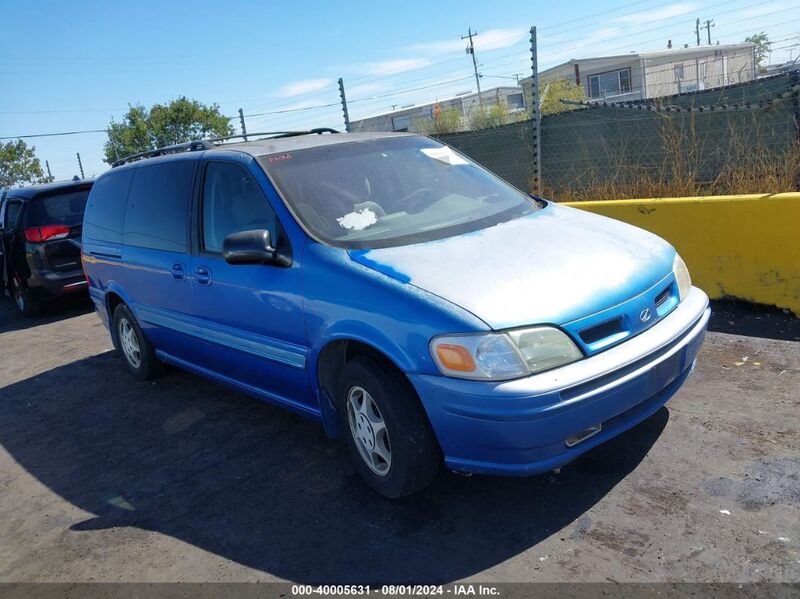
328	362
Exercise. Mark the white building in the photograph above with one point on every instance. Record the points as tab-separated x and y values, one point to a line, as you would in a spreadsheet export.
406	117
639	76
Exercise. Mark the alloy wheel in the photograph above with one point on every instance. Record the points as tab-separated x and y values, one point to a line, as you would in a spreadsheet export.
369	431
129	343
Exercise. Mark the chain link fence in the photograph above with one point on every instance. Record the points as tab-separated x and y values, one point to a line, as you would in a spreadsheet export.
736	139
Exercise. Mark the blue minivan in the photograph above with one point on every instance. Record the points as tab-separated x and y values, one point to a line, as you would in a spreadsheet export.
391	289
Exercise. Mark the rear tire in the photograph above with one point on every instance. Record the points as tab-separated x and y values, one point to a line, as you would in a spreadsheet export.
137	352
28	305
386	430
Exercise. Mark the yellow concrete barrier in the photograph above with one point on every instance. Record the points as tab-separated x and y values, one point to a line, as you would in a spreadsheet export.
745	247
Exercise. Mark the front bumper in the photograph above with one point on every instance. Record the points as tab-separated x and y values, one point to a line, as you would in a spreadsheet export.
522	427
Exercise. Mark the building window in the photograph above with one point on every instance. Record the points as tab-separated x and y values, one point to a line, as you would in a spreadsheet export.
401	123
515	102
612	83
679	71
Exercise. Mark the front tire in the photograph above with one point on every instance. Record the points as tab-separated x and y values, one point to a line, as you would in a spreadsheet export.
386	430
137	352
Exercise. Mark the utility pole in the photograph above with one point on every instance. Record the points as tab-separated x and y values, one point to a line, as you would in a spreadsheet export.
344	106
709	23
517	76
471	50
697	30
49	174
536	115
241	120
80	164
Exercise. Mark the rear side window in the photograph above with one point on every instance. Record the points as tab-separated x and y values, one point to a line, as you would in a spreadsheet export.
105	211
59	209
11	215
158	206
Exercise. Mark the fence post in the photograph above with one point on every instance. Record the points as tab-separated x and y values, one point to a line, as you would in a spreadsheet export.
241	120
536	116
80	164
344	106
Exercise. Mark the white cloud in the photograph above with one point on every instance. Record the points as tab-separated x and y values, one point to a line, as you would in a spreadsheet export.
659	14
305	86
491	39
391	67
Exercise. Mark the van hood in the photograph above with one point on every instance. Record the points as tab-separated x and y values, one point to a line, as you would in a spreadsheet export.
553	266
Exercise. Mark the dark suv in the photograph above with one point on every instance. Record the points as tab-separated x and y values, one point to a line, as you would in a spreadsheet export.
41	242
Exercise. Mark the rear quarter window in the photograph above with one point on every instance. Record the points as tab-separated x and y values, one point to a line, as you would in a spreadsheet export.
57	209
157	216
105	210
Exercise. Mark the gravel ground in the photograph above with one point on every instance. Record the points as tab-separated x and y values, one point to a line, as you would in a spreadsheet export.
104	478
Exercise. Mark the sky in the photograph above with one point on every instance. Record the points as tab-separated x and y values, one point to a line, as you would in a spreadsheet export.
76	65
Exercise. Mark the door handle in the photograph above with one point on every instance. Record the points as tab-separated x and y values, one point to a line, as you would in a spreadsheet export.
177	272
202	275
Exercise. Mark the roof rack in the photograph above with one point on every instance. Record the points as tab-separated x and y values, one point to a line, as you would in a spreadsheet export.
207	144
276	134
189	146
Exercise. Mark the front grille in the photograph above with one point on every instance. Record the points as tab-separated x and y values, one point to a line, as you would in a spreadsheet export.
601	331
609	377
663	297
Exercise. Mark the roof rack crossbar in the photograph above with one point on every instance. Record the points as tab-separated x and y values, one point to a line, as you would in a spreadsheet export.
189	146
208	144
276	134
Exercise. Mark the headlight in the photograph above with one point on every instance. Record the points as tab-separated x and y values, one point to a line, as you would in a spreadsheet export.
503	356
681	276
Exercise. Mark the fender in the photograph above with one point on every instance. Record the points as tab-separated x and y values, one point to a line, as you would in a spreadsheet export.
350	330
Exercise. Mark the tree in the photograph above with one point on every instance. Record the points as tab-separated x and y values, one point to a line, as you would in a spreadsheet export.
761	40
179	121
555	90
19	165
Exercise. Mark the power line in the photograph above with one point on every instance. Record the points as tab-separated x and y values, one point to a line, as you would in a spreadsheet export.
28	136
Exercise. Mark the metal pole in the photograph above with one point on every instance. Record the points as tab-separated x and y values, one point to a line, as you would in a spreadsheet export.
697	30
536	116
344	106
49	174
241	120
80	164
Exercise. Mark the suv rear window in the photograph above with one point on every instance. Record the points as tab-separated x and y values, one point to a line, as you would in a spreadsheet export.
58	209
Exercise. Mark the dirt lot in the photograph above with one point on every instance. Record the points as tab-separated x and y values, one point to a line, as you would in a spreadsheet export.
103	478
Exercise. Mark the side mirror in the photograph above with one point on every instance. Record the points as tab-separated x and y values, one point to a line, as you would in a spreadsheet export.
249	247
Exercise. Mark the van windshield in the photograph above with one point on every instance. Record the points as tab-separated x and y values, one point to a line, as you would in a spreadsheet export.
57	209
391	191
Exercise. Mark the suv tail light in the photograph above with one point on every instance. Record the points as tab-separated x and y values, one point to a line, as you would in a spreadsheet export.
46	233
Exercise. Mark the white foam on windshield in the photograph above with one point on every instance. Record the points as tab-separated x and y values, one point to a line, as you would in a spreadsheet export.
358	221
